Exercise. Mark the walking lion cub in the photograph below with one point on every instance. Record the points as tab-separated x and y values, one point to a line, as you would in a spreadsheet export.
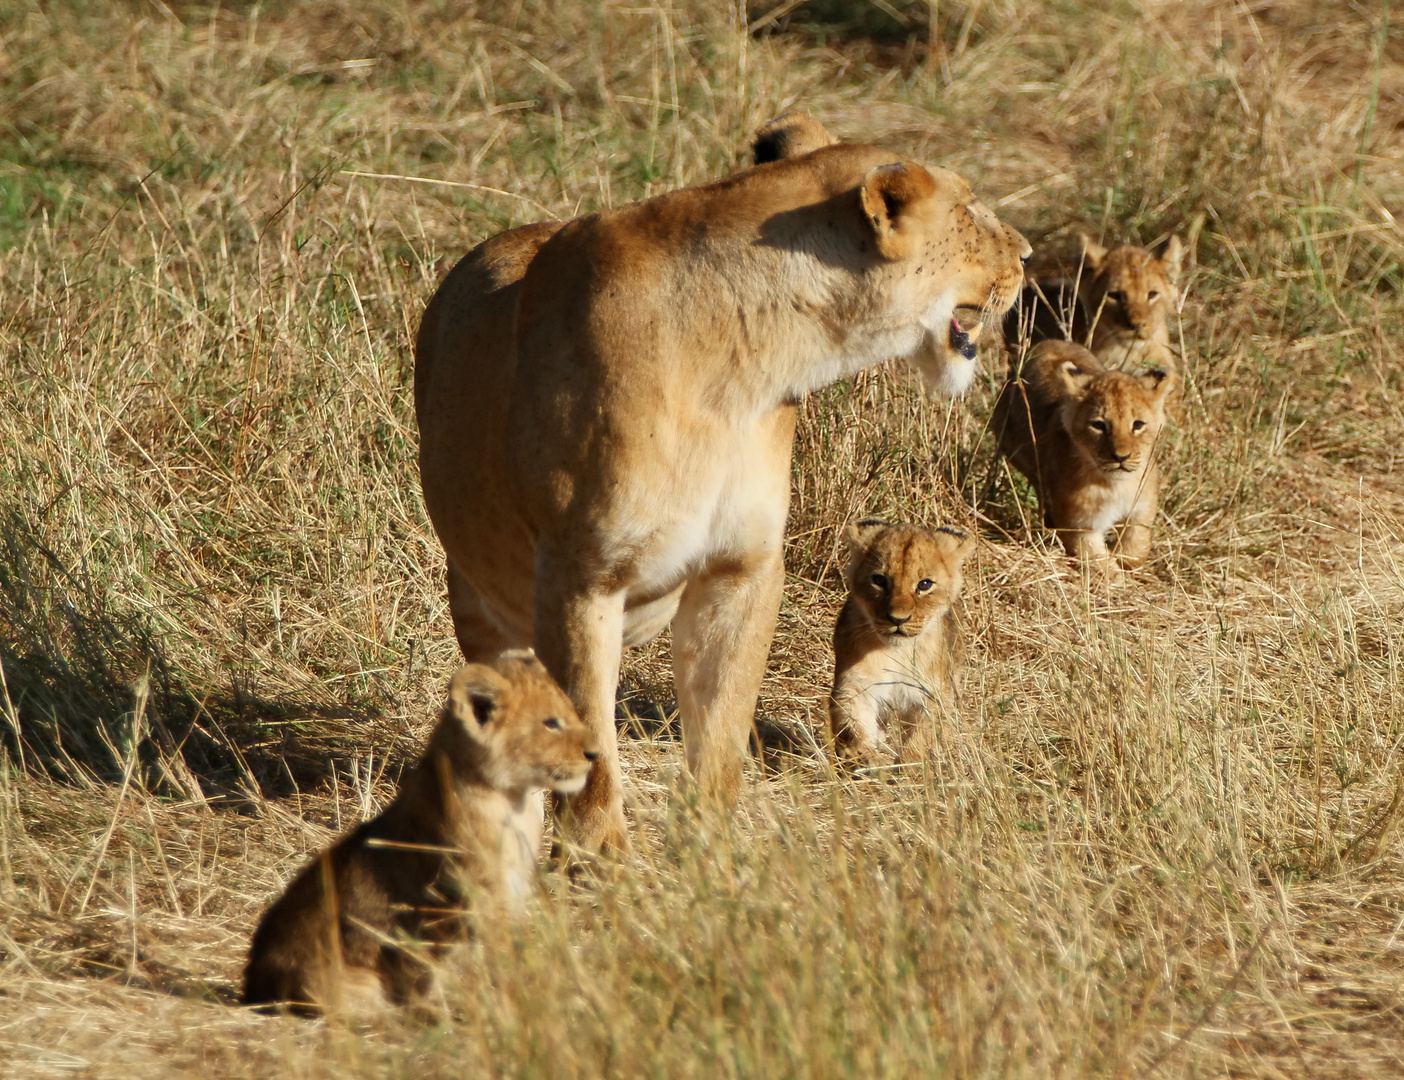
350	931
897	643
1085	438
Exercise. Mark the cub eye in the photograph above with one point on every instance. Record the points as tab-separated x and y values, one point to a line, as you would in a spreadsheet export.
924	584
1152	294
1137	425
551	724
880	581
1099	426
1117	297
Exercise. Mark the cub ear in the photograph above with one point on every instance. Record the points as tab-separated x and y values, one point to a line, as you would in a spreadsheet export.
474	694
960	545
1171	256
889	194
787	136
1073	379
1156	381
859	536
1092	252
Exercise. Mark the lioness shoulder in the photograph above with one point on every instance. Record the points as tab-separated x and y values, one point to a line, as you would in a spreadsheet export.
353	929
1085	437
898	645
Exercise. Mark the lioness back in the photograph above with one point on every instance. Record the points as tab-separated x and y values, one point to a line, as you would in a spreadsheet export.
898	645
1085	438
353	929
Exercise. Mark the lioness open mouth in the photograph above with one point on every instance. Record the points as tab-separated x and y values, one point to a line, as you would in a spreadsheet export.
965	334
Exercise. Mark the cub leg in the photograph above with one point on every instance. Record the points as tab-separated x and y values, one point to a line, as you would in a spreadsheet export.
479	635
1086	544
853	720
579	637
1133	541
721	639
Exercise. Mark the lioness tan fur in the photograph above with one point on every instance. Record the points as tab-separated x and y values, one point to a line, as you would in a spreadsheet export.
898	645
606	413
1085	437
1115	301
350	930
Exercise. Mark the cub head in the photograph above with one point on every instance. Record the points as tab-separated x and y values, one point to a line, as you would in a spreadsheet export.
1112	417
1129	291
952	266
903	576
522	727
787	136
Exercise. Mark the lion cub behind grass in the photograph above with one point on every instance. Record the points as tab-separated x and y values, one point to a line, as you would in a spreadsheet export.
897	643
1085	438
467	820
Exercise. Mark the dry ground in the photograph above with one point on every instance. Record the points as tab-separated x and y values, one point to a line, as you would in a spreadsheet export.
1161	840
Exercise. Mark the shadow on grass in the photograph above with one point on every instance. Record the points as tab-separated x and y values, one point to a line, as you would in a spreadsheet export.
82	677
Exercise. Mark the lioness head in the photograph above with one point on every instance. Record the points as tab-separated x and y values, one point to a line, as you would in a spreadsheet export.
905	577
523	730
957	266
1130	291
1113	418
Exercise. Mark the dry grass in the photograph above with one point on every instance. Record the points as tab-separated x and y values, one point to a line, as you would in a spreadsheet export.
1161	841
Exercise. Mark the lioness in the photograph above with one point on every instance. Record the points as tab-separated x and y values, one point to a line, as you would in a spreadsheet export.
897	642
1085	437
467	819
1116	301
606	411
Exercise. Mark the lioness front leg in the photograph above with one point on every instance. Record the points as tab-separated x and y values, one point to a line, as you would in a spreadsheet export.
579	637
721	639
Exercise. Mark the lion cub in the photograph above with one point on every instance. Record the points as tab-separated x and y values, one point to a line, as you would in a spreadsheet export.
1085	437
897	643
1117	302
467	820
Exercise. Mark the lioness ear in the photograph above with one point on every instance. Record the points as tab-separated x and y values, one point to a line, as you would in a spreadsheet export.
1074	379
474	694
787	136
1172	257
1092	252
888	196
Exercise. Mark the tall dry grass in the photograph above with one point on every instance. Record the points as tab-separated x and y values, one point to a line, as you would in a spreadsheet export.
1162	839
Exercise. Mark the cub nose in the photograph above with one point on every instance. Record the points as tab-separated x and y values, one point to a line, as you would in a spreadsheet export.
899	620
1120	458
590	752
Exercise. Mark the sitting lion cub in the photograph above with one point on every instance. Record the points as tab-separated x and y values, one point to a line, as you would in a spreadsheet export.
897	642
1085	437
468	818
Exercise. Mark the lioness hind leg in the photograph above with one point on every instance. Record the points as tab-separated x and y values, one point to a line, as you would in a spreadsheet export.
721	638
480	636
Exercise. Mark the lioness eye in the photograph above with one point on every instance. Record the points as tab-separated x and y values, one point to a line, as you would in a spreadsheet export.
1099	426
1138	425
551	724
924	584
1152	294
880	581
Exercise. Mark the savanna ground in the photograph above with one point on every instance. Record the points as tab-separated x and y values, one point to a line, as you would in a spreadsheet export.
1160	839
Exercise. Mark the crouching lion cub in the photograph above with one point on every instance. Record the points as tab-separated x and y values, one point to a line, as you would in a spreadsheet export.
1085	438
897	642
349	931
